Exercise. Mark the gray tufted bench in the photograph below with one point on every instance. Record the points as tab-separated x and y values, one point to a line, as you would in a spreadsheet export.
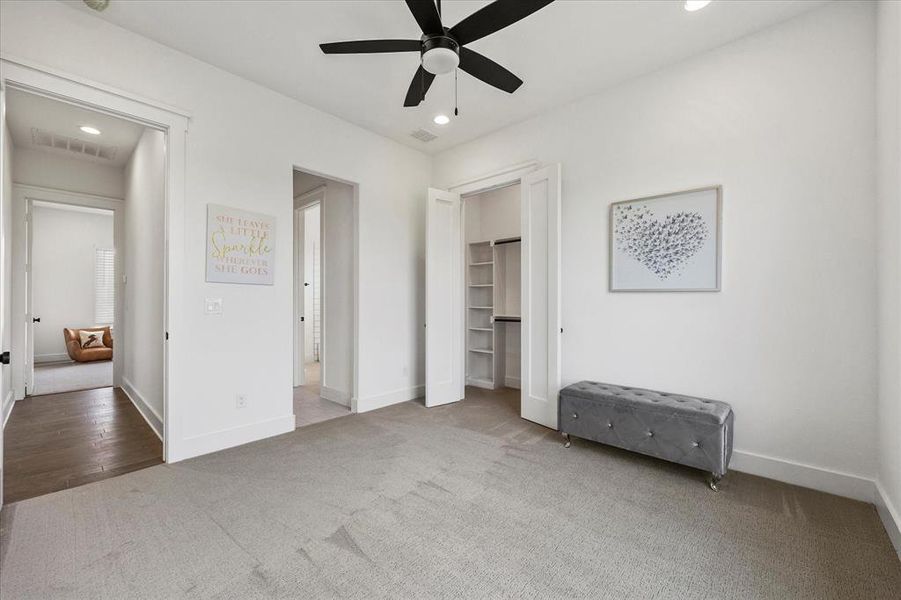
682	429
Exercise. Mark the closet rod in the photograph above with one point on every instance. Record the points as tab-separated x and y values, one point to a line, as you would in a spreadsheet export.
507	241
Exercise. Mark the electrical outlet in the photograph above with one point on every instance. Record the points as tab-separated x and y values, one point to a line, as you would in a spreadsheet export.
241	401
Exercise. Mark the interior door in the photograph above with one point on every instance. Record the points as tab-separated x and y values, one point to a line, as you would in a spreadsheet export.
443	299
30	319
299	347
6	393
541	295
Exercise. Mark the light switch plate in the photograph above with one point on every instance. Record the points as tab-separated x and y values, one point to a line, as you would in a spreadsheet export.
214	306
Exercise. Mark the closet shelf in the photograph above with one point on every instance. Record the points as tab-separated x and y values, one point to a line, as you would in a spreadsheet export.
482	285
481	329
481	351
481	264
482	307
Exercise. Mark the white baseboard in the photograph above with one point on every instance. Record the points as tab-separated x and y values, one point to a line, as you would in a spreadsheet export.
228	438
891	518
389	398
512	382
153	418
809	476
51	358
6	408
334	395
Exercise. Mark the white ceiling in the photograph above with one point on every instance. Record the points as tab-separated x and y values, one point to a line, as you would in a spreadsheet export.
25	112
568	50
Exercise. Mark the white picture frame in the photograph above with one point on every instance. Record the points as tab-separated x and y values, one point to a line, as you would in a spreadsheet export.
240	246
667	243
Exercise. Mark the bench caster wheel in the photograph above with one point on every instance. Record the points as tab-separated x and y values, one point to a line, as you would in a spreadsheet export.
713	481
566	441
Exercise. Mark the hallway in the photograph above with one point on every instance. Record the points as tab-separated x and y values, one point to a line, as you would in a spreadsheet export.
60	441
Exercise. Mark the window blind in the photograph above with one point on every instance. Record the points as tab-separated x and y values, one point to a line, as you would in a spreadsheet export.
104	286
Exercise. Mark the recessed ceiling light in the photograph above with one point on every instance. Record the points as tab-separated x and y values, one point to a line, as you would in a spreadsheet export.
89	129
693	5
441	119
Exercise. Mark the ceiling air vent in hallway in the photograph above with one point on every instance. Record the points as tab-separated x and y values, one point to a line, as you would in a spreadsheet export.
71	144
423	135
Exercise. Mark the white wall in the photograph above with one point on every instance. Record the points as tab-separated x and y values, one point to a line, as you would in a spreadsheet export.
337	284
889	254
46	169
62	272
144	234
243	142
784	120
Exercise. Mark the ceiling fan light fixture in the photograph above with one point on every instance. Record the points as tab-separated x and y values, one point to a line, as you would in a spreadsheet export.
439	61
693	5
441	119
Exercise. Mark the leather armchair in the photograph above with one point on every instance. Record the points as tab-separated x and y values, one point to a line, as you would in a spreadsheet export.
79	354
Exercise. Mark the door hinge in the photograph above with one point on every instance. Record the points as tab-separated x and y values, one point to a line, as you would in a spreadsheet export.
167	336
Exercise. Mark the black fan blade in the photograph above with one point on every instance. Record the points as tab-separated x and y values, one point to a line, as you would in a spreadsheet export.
488	71
494	17
371	46
426	14
422	80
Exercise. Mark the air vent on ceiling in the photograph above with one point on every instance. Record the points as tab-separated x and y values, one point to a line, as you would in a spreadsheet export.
423	135
71	144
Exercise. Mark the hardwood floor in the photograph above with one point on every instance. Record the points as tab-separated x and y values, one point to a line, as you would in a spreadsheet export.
59	441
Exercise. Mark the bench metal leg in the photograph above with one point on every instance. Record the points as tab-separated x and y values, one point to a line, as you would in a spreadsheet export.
566	441
713	481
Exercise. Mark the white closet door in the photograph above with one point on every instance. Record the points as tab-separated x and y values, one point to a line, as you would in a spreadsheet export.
443	299
541	295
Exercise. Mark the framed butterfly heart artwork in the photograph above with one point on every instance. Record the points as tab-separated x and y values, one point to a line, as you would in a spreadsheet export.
667	243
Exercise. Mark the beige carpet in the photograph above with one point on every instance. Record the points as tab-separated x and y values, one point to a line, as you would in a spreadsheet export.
53	378
462	501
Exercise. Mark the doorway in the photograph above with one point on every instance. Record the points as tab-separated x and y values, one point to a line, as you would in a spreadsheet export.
492	284
324	297
88	352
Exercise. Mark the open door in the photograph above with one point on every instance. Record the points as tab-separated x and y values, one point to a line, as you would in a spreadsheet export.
541	295
6	393
443	299
299	307
30	319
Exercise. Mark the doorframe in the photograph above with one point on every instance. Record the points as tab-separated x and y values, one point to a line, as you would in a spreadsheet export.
355	226
23	198
307	200
173	122
503	177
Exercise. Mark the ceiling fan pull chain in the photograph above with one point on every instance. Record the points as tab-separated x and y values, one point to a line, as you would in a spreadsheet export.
456	112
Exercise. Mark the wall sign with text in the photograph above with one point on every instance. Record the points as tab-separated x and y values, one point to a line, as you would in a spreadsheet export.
240	246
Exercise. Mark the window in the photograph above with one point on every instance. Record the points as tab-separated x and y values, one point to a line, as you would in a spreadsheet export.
104	286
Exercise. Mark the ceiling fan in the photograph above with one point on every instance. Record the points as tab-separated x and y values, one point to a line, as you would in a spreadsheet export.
442	49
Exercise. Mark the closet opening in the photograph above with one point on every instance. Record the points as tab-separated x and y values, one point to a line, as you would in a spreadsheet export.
493	272
324	297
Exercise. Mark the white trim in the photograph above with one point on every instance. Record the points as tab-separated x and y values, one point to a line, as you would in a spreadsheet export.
809	476
7	408
223	439
150	415
389	398
495	179
891	518
512	382
52	358
333	395
40	68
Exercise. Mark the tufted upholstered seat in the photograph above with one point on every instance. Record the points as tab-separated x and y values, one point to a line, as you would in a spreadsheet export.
691	431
